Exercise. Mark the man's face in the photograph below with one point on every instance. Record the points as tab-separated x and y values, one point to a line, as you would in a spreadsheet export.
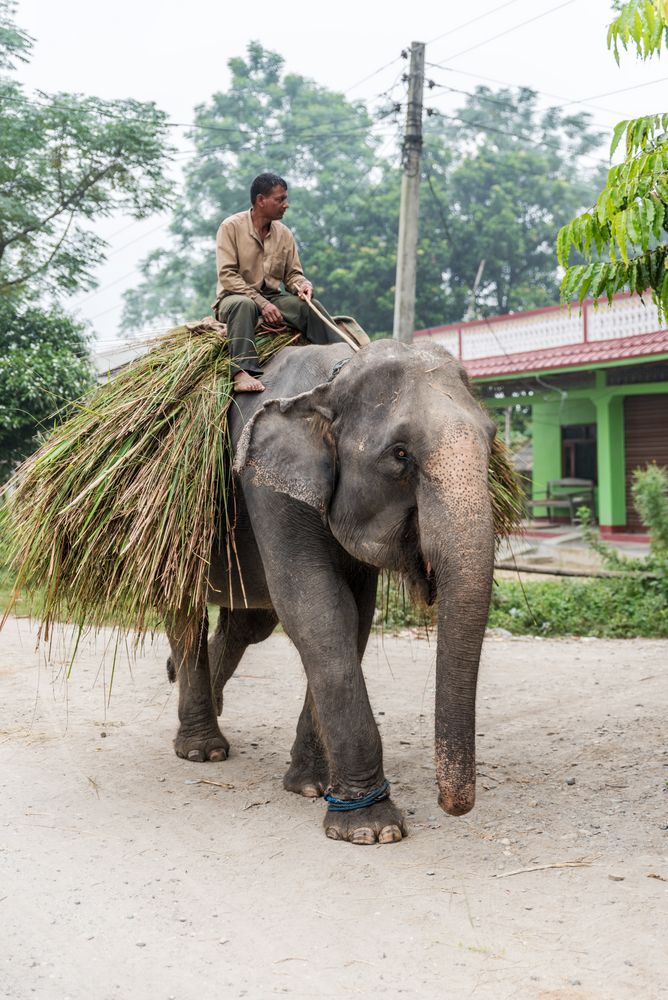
274	204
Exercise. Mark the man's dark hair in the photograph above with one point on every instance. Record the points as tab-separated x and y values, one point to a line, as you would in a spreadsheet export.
264	183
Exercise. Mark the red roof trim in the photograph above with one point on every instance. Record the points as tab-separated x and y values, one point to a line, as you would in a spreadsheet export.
593	352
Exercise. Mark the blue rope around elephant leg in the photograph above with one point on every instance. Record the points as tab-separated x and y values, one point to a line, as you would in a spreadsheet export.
346	805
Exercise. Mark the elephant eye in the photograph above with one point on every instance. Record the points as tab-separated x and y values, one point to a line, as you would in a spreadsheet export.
400	453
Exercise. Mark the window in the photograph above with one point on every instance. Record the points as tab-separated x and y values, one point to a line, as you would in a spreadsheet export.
578	452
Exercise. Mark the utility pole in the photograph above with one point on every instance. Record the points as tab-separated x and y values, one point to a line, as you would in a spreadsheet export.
404	296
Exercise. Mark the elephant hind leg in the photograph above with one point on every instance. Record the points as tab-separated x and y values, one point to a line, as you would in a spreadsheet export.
203	669
198	737
236	630
308	773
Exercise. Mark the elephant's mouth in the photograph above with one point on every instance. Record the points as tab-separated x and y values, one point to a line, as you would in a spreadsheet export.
419	574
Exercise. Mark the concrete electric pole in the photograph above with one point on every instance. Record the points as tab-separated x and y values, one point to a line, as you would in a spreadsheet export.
404	296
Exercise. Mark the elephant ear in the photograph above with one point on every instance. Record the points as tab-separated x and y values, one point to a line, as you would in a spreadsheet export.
289	447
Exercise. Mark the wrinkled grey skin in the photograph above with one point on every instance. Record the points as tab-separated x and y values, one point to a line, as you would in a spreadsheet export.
384	466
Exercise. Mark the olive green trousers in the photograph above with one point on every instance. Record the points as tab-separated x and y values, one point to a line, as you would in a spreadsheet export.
240	314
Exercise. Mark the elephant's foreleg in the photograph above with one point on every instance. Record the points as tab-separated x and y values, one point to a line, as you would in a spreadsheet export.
308	773
307	577
198	737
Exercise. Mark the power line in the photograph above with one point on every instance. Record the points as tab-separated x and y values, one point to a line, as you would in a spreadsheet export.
375	73
306	132
507	31
566	101
197	151
506	132
495	100
622	90
473	20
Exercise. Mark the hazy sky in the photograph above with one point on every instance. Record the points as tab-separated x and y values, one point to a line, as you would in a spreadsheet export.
176	54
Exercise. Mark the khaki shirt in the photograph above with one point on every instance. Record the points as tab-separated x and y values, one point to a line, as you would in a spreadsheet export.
245	264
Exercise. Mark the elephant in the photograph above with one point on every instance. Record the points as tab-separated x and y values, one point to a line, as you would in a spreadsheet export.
348	464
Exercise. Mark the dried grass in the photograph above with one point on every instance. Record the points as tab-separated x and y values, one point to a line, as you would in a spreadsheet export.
113	520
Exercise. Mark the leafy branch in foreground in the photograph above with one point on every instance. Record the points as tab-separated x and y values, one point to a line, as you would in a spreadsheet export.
642	22
623	237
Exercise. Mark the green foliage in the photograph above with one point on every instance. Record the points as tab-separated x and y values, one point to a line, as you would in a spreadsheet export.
619	608
623	236
642	23
15	44
65	161
43	365
650	496
498	184
502	176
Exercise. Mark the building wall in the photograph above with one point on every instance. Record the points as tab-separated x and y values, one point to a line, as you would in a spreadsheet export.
604	406
548	417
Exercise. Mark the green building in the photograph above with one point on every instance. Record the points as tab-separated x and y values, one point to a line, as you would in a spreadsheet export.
597	384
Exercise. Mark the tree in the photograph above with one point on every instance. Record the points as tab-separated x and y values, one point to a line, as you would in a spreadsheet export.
501	177
65	161
43	365
624	236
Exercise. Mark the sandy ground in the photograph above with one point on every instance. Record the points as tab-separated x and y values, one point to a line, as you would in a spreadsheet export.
121	876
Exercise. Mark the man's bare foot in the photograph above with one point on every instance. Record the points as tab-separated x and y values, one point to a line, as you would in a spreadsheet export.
243	382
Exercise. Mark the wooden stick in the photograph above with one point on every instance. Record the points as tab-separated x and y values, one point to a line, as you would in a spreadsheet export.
542	868
341	333
602	574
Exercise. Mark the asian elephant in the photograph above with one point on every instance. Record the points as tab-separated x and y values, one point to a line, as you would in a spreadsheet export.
348	464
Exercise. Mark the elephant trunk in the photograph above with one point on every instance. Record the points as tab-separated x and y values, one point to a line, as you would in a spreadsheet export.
457	536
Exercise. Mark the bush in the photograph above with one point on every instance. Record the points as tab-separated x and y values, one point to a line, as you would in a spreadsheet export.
615	608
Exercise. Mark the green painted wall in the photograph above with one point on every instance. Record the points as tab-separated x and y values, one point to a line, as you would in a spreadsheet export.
601	404
610	458
548	417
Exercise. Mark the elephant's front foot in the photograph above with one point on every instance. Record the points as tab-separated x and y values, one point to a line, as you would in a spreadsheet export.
307	778
201	745
381	823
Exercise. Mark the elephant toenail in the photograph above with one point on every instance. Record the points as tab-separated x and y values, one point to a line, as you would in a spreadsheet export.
390	835
363	836
217	755
195	755
333	833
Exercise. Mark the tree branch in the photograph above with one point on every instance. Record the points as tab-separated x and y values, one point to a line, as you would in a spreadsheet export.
77	194
45	264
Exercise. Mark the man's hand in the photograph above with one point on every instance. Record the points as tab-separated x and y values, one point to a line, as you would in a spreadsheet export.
272	315
305	291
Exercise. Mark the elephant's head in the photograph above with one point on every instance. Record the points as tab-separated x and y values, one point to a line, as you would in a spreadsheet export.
394	453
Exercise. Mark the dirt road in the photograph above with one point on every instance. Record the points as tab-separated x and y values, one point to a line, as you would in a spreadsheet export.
121	876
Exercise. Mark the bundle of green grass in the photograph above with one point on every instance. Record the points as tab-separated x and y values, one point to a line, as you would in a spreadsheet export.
114	519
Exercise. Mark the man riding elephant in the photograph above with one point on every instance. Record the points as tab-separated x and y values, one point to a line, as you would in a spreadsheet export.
255	254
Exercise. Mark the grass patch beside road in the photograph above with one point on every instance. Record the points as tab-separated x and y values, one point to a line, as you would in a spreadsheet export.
614	608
